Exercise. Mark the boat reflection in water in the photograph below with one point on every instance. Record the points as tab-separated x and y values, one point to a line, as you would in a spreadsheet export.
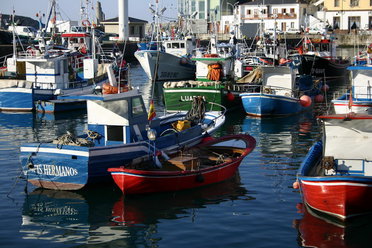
101	216
319	230
151	208
282	136
63	216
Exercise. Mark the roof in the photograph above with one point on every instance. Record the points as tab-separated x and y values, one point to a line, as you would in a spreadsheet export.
130	19
270	2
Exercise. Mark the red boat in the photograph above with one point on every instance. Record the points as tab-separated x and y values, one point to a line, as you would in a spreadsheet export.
336	175
210	162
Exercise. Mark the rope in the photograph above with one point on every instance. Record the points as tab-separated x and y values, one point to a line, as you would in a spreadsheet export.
197	111
70	139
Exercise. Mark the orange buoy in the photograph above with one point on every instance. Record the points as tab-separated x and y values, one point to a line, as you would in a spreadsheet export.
305	101
296	185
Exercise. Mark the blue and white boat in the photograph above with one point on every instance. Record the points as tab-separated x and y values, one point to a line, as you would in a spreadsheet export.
358	99
278	94
118	131
39	77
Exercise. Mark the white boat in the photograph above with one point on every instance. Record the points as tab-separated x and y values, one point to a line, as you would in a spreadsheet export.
170	62
358	99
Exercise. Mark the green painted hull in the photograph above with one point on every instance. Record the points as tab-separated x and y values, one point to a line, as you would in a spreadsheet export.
179	99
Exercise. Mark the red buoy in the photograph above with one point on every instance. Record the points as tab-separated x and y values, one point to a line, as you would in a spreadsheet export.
325	88
305	101
230	96
319	98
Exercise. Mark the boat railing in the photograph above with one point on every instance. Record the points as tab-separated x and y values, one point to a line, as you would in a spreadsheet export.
3	60
269	89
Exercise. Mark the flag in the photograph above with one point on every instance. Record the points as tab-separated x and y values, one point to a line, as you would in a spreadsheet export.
152	113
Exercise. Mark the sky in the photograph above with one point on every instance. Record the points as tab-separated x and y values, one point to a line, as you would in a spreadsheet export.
70	9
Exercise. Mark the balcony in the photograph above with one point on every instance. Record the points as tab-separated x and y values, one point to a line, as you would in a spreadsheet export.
270	16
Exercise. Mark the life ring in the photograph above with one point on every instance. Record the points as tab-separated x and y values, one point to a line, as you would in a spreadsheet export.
86	23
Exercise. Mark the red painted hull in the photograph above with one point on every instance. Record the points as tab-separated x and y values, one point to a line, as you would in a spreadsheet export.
340	198
139	182
132	181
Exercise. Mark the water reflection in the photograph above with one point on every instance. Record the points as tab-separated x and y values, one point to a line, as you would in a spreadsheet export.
63	216
98	216
317	230
149	209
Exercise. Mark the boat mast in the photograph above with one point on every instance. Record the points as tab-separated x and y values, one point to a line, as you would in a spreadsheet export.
14	38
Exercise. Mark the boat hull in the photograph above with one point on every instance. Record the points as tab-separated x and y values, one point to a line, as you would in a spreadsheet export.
321	67
180	99
16	99
340	196
356	106
134	182
170	67
137	181
258	104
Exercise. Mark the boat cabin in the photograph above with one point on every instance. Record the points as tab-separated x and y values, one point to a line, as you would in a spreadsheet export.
81	42
180	47
120	118
347	147
361	82
278	80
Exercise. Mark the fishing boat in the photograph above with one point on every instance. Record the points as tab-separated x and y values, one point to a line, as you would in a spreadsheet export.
278	94
335	177
358	98
317	57
214	80
209	162
119	130
167	58
39	77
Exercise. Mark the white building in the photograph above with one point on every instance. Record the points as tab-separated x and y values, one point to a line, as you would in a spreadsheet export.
283	14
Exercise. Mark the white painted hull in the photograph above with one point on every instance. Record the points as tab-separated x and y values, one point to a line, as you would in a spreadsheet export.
170	67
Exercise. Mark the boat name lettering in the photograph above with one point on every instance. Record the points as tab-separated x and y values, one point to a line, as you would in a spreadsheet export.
55	170
318	70
188	98
66	210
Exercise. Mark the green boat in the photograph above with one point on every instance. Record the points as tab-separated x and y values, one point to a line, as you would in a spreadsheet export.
179	95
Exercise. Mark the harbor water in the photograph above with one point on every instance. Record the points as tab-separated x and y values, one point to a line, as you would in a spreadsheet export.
256	208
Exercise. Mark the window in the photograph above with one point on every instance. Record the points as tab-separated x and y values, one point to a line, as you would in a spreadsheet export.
284	11
292	10
137	106
292	24
132	30
370	2
115	133
336	22
249	11
354	3
354	22
337	3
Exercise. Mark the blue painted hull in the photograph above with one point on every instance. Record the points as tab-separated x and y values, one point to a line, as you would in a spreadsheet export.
73	167
257	104
16	99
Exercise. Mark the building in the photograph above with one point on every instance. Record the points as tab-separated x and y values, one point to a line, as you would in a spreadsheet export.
136	27
348	14
270	14
207	14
